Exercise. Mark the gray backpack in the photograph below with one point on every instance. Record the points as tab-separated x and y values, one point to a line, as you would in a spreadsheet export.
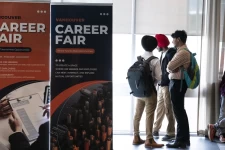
140	78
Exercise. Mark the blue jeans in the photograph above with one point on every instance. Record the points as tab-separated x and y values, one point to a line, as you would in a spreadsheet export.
220	125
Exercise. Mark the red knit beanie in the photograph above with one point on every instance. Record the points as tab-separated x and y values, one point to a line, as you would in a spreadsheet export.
162	40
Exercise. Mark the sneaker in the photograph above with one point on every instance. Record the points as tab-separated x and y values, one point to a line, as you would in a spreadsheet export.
211	132
222	139
155	133
168	138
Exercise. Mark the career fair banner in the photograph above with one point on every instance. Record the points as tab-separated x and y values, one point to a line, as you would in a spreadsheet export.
24	68
81	77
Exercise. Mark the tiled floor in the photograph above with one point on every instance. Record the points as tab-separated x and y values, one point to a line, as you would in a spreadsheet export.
124	142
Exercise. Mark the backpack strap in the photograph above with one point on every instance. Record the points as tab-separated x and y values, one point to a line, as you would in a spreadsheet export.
182	68
147	61
150	59
191	61
139	58
182	74
182	71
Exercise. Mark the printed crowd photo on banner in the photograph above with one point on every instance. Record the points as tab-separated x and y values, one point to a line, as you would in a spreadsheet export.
24	75
81	77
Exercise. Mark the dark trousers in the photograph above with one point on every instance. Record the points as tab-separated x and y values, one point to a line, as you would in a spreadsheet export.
177	98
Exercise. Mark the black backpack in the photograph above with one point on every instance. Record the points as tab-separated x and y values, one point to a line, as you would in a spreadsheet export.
140	78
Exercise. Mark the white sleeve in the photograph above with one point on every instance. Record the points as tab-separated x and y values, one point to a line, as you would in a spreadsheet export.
156	69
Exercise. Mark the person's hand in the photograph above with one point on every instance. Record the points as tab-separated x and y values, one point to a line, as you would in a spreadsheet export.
14	123
46	109
5	109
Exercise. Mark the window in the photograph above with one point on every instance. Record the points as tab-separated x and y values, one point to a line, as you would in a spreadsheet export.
122	102
222	40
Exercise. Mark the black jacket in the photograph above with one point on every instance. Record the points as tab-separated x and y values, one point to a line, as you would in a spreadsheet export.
18	141
169	55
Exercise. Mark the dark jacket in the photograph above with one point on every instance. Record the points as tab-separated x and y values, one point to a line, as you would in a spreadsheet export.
165	75
19	141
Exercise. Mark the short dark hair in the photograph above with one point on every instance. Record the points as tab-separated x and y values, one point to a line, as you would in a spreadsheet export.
149	43
180	34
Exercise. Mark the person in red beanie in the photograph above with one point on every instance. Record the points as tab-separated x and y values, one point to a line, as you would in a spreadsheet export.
164	105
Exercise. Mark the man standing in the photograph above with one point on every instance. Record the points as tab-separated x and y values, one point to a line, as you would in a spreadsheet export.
149	43
178	88
164	105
